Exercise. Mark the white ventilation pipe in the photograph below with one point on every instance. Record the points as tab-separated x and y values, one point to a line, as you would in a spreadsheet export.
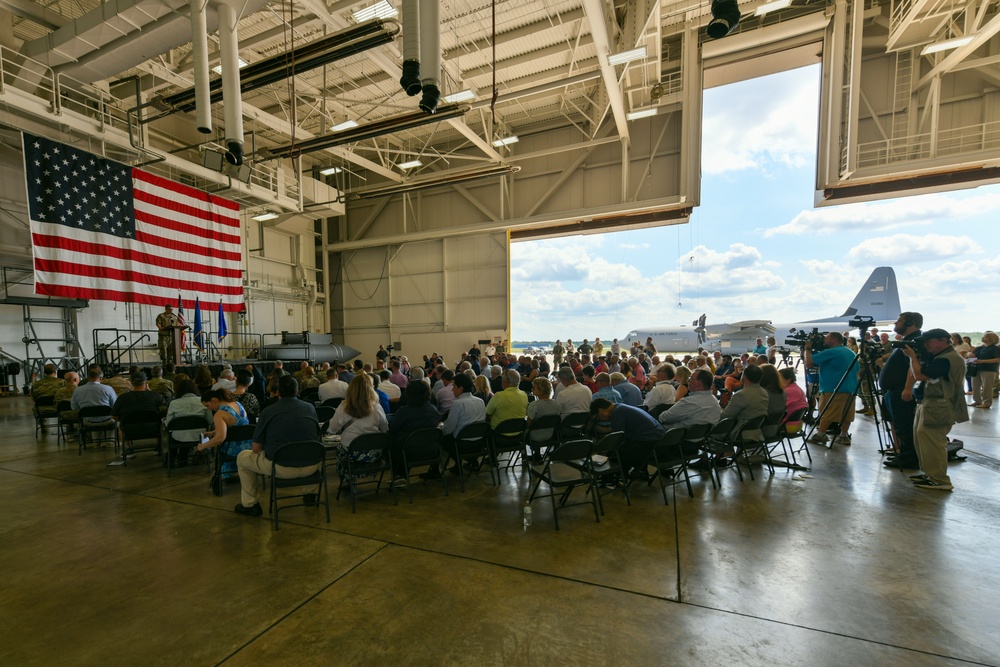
232	102
199	55
430	54
410	81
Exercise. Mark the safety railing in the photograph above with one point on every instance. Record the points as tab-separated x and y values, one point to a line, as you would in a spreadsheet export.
955	141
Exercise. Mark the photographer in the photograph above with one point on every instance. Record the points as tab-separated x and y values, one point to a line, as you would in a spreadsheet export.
940	404
836	404
896	382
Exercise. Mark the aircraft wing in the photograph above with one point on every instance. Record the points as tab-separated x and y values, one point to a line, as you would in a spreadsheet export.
746	327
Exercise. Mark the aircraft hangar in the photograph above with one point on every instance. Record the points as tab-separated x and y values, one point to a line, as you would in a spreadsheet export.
368	218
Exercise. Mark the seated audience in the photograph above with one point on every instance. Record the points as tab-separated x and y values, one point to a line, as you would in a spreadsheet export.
186	404
227	412
698	406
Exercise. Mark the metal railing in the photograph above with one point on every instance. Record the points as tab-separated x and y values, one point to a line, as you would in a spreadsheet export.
955	141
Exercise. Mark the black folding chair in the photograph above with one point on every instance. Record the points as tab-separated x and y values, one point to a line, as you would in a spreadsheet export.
376	468
758	447
561	477
325	414
302	454
67	418
659	409
507	438
140	425
185	423
233	434
790	429
45	409
333	402
547	426
606	466
692	447
421	448
669	460
472	443
574	426
718	446
96	426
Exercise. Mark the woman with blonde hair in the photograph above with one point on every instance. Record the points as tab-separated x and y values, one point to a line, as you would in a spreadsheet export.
987	358
681	378
359	413
483	391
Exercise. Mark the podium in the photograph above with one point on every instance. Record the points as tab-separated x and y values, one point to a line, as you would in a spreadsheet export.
175	348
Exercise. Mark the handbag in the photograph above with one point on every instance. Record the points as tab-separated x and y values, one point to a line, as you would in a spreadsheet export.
971	370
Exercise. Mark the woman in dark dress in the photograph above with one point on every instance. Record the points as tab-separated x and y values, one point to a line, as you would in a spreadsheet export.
416	414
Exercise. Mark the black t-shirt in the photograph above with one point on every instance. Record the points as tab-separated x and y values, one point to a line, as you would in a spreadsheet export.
892	377
987	352
136	401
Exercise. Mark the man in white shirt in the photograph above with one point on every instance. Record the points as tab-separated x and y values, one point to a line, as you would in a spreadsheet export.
574	397
663	393
388	388
227	381
697	407
334	387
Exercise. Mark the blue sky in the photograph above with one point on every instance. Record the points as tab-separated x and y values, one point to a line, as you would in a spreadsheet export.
756	248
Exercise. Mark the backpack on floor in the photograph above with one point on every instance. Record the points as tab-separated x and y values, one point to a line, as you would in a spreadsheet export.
954	447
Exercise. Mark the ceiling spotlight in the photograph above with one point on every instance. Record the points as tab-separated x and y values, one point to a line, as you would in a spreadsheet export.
218	68
627	56
506	141
330	170
769	7
725	18
266	215
380	10
346	125
642	113
460	96
946	45
409	165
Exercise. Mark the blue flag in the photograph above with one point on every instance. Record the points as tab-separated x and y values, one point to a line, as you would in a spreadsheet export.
222	323
199	333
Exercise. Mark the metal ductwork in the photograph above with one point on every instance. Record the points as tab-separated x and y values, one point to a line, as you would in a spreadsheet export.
199	53
410	81
440	179
232	102
430	55
315	54
367	131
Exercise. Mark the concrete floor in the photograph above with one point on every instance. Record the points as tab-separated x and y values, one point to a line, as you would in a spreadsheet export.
123	566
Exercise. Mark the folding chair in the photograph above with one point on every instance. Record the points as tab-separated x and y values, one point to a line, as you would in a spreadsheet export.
472	442
421	448
692	447
791	428
66	418
45	409
333	402
325	414
98	430
574	426
658	410
546	423
233	434
141	425
300	454
769	424
377	465
718	446
186	423
669	460
507	438
740	444
557	473
610	469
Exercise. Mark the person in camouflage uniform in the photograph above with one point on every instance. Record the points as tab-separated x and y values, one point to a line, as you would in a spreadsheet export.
72	379
165	323
48	386
118	383
169	372
309	379
164	388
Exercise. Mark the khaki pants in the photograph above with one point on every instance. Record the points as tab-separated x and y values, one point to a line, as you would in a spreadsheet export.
832	407
932	447
165	343
982	387
250	464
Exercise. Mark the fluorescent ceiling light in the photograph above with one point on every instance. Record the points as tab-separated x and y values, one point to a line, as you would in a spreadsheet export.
268	215
641	113
380	10
330	170
409	165
506	141
346	125
768	7
946	45
460	96
218	68
627	56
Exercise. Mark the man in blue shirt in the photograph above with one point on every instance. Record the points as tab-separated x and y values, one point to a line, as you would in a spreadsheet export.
94	393
836	403
641	429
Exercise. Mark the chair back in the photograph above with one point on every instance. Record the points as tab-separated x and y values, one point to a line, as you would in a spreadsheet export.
140	425
240	433
325	414
333	402
610	443
574	425
473	439
668	447
793	424
422	446
186	423
544	423
571	450
750	426
299	454
309	395
695	437
64	406
95	412
772	426
45	401
510	428
658	410
722	430
370	441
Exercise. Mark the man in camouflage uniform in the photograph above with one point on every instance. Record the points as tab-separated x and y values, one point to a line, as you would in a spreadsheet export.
72	380
48	386
169	372
164	388
300	374
118	383
165	323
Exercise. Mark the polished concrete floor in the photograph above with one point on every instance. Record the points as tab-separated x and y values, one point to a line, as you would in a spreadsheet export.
853	566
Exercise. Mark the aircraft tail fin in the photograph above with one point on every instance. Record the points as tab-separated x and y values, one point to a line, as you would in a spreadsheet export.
878	298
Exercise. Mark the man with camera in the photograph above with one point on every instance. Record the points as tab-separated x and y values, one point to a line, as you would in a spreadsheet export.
939	391
838	383
896	382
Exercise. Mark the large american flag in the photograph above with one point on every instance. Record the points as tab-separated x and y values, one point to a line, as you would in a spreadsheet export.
105	231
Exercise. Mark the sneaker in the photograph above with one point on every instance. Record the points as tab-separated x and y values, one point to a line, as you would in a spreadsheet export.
399	482
843	439
919	479
817	438
902	464
936	486
130	453
255	510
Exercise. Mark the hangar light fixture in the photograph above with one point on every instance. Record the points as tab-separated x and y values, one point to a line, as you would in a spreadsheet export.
380	10
460	96
774	6
440	179
627	56
946	45
218	68
642	113
505	141
346	125
330	170
409	165
266	215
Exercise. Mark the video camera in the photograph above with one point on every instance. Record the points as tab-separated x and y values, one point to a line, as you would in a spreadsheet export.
812	340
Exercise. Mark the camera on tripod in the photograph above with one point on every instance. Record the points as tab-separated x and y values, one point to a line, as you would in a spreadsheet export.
811	340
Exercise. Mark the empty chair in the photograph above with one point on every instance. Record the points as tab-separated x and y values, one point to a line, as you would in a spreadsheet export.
507	438
96	426
472	443
367	456
420	448
790	429
140	425
185	423
301	454
606	466
562	478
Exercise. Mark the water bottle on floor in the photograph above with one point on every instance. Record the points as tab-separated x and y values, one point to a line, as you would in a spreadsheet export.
527	515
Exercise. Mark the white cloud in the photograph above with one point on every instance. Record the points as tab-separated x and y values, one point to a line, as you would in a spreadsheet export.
909	248
866	216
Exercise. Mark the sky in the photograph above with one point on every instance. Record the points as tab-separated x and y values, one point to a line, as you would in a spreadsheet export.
756	248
